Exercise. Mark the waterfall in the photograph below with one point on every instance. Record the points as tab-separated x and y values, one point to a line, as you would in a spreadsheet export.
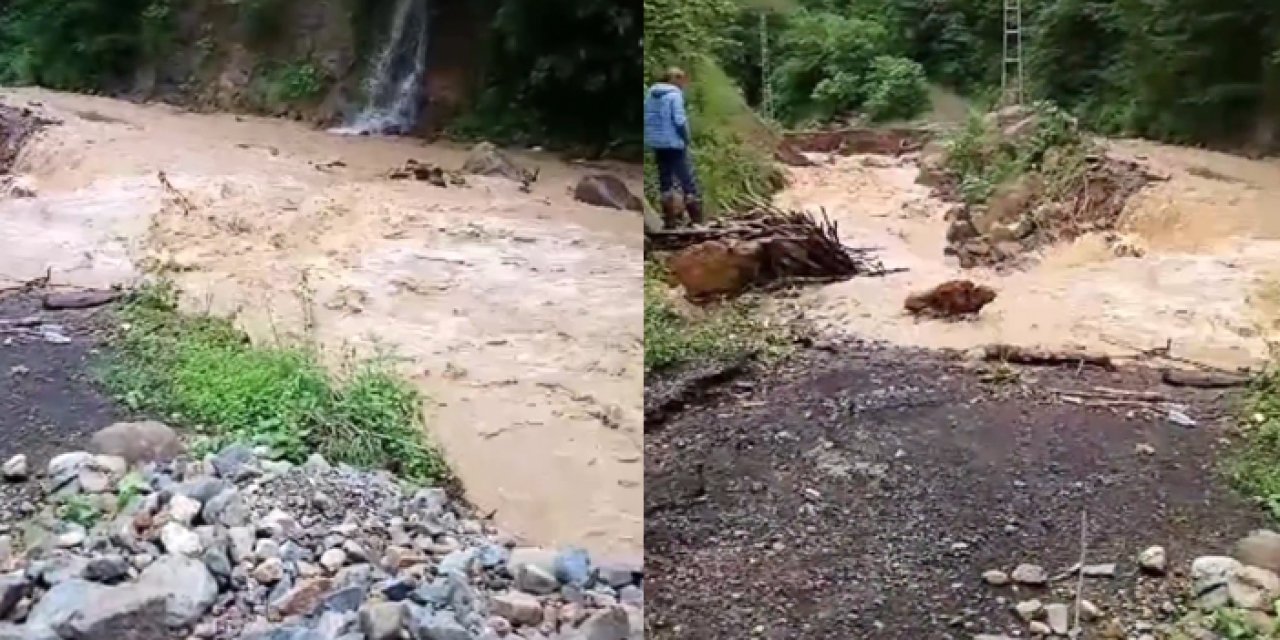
394	88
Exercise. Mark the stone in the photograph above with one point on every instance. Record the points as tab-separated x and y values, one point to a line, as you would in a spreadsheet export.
303	598
573	566
395	589
485	159
266	548
1029	609
278	520
219	565
333	559
1253	588
995	578
179	540
610	623
183	510
185	584
93	480
1260	548
1153	560
242	542
437	625
235	463
269	571
174	591
1037	628
15	469
316	463
13	588
606	190
1089	611
79	299
203	489
458	561
1107	570
136	442
355	551
345	600
1030	574
69	534
226	508
519	608
66	467
382	620
1209	576
716	267
56	568
619	571
108	569
1058	615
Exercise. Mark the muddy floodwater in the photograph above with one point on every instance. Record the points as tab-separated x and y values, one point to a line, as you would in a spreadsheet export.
517	314
1208	279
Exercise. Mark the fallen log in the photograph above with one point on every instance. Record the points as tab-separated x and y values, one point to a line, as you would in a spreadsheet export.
1202	379
1044	357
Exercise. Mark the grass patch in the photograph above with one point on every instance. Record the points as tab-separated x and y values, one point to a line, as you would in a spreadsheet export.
1254	468
729	331
203	373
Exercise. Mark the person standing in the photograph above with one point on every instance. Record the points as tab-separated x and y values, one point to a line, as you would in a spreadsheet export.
666	133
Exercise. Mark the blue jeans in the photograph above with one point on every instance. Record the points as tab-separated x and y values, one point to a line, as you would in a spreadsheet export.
673	167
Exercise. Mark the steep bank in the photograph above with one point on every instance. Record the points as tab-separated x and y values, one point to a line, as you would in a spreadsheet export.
512	311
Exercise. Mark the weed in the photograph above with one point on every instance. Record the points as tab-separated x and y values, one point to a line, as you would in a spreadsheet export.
299	82
81	510
1255	465
727	332
130	488
200	371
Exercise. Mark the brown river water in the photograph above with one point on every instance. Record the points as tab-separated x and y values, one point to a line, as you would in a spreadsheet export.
518	315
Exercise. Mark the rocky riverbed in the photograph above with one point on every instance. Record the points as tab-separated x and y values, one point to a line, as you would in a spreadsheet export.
136	540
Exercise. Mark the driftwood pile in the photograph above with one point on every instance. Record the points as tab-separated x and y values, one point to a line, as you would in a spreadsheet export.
765	248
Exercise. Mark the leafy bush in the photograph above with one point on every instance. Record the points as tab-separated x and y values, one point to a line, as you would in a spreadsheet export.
983	158
200	371
296	83
895	89
80	44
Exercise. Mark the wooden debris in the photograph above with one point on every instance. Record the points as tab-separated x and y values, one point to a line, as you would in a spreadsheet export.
426	172
177	196
1202	379
1045	357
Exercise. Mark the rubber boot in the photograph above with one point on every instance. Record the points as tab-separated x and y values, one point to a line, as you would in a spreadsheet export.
694	208
670	212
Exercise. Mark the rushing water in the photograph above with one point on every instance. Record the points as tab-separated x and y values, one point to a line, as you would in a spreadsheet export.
393	90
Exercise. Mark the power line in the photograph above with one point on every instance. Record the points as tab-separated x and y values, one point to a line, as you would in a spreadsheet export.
1011	89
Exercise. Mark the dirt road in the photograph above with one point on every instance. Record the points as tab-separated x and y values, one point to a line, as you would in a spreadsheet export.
517	314
862	494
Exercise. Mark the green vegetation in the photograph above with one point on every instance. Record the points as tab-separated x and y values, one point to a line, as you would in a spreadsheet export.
80	45
1255	467
201	372
725	333
81	510
297	83
985	158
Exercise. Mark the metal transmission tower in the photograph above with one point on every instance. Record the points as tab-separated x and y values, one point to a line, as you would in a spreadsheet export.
1011	68
766	92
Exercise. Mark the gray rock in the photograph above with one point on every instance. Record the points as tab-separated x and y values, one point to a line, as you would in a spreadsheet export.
179	540
236	463
147	441
519	608
631	595
1209	576
316	463
108	569
492	556
219	565
610	623
1153	560
425	624
355	551
1038	628
269	571
266	548
1030	574
573	566
66	467
203	489
242	541
333	559
382	620
15	469
1107	570
459	562
174	591
56	568
618	572
182	509
995	578
1029	610
1253	588
345	600
69	534
1059	618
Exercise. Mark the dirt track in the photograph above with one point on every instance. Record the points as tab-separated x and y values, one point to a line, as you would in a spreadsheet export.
862	493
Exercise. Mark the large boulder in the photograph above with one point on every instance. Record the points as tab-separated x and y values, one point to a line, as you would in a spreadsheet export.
146	441
605	190
485	159
716	267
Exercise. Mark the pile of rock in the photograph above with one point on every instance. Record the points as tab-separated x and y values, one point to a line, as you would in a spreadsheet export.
241	546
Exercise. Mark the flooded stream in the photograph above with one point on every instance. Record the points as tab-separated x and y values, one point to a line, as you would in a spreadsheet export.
518	315
1209	280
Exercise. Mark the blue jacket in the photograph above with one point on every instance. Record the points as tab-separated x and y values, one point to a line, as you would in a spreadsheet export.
666	125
